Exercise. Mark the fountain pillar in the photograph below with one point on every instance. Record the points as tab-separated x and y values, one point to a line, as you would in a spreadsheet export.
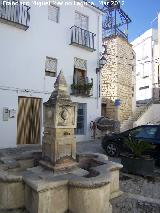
59	144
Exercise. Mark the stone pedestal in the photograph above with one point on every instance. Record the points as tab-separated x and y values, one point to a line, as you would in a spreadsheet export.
59	145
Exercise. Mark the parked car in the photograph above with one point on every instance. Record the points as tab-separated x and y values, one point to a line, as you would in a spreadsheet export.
114	144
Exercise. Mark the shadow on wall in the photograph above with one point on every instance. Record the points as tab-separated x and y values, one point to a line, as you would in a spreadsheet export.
108	108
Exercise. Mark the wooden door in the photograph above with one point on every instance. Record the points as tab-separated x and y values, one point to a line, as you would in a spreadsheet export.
28	120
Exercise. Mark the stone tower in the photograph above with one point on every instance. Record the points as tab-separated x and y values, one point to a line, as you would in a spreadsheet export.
59	145
117	78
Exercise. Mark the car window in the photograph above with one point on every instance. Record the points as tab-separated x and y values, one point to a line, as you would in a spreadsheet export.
146	132
136	131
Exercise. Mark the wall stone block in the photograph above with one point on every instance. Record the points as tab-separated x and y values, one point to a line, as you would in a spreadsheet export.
117	77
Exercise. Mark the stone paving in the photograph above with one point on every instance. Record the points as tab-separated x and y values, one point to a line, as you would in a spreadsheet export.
141	195
91	146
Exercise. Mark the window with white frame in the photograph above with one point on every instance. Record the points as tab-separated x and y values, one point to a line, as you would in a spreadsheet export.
81	20
53	13
51	67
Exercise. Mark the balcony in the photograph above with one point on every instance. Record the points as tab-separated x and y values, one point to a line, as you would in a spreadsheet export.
115	32
14	13
83	38
122	34
84	88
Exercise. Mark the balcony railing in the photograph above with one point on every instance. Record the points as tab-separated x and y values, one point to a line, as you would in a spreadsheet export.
82	88
14	13
113	32
83	38
122	34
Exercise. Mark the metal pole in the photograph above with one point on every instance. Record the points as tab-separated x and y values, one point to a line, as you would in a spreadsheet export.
115	20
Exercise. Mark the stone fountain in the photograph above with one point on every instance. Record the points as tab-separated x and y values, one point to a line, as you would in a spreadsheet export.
56	179
59	150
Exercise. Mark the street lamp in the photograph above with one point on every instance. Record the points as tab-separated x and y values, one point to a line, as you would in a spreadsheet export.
102	62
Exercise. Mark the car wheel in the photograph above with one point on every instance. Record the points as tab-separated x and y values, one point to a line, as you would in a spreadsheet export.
112	149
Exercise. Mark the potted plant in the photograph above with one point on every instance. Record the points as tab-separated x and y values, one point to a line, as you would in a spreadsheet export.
81	88
88	88
137	162
74	88
77	88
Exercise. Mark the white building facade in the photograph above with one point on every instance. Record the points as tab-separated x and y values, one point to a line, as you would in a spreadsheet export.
36	43
145	47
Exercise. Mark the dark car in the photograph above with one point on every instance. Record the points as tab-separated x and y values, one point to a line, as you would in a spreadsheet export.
114	144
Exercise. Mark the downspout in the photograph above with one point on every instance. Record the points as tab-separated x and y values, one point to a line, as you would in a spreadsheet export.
98	73
159	49
153	67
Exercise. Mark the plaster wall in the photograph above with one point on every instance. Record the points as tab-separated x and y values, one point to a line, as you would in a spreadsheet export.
145	47
23	62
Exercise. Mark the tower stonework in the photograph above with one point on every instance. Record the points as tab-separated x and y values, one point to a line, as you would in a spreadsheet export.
117	77
59	145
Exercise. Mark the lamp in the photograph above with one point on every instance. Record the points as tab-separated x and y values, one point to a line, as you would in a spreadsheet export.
102	62
104	49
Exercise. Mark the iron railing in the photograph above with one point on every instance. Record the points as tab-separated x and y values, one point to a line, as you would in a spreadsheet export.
122	34
15	13
83	38
113	32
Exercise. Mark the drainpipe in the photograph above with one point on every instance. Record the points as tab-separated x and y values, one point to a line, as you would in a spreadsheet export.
98	52
159	39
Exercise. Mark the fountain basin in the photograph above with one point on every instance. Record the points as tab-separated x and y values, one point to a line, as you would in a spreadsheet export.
25	185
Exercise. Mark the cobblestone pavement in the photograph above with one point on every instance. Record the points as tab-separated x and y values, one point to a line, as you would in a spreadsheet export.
141	195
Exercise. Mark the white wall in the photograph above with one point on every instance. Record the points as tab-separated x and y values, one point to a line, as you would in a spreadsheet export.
152	115
155	66
134	84
23	62
145	63
8	128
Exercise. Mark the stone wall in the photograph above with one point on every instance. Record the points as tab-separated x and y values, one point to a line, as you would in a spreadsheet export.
117	75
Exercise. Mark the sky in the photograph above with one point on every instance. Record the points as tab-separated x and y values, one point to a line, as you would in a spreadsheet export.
142	13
